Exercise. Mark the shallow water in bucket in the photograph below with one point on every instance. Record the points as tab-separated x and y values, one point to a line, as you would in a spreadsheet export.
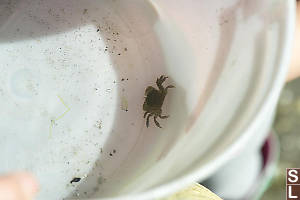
73	77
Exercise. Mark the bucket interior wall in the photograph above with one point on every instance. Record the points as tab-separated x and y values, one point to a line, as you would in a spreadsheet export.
73	76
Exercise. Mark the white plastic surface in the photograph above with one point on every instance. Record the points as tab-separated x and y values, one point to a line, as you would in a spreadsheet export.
235	179
72	82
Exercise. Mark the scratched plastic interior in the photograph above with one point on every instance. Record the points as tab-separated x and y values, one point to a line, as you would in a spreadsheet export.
73	76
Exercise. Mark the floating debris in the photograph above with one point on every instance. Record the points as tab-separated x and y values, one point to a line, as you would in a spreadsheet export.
124	104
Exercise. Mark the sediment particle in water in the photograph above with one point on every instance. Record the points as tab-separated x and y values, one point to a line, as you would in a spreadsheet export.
124	104
75	180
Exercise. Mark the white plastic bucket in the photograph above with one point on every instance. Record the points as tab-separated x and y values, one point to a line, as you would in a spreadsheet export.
73	76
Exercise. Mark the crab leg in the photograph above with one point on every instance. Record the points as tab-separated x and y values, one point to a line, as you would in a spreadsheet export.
163	117
145	114
170	86
147	121
156	122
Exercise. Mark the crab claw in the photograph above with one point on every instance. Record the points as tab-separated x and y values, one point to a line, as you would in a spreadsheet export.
160	80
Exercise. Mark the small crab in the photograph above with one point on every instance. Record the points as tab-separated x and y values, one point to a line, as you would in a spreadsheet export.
154	100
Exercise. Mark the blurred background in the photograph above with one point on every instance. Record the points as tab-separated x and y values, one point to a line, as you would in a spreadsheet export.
287	126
